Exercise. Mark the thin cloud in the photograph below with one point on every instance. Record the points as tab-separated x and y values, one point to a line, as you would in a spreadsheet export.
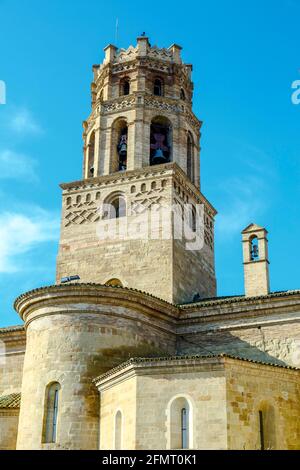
245	197
245	203
14	165
21	233
23	122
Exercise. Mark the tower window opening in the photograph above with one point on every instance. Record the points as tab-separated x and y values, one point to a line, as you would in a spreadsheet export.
158	87
160	141
190	157
51	413
182	94
122	149
125	87
193	219
115	208
254	250
119	145
91	156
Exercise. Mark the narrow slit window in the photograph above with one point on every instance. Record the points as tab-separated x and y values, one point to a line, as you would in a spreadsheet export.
184	429
51	413
261	430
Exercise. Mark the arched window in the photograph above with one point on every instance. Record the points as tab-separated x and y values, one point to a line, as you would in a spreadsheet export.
160	140
182	94
91	156
180	424
190	157
114	283
254	250
118	431
51	412
266	426
114	208
193	219
158	87
184	429
119	145
125	87
78	199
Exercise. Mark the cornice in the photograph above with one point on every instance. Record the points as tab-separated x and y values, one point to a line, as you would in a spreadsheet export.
168	169
95	294
13	336
139	366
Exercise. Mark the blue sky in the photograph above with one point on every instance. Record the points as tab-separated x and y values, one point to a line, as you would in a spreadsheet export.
245	57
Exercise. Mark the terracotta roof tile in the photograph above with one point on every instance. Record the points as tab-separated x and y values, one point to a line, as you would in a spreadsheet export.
10	401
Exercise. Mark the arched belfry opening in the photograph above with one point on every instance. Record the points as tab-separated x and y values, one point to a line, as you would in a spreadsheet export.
114	206
158	87
190	157
160	141
254	250
91	156
119	145
125	86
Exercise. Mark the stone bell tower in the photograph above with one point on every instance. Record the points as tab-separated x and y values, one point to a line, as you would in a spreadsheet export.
256	260
141	150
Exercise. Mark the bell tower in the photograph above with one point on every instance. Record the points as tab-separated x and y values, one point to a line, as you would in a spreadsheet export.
139	94
141	150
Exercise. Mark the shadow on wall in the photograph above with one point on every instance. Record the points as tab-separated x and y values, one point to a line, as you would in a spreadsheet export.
228	343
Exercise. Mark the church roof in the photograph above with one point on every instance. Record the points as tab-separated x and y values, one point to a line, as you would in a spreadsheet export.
11	329
237	298
148	360
201	303
10	401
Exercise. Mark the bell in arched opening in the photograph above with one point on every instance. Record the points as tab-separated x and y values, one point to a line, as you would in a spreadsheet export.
159	141
122	149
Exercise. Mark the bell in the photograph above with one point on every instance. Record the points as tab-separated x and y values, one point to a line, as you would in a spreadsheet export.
159	157
123	150
255	253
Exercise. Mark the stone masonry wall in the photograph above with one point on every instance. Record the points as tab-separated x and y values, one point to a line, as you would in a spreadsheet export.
12	352
266	330
8	429
72	341
121	398
251	387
